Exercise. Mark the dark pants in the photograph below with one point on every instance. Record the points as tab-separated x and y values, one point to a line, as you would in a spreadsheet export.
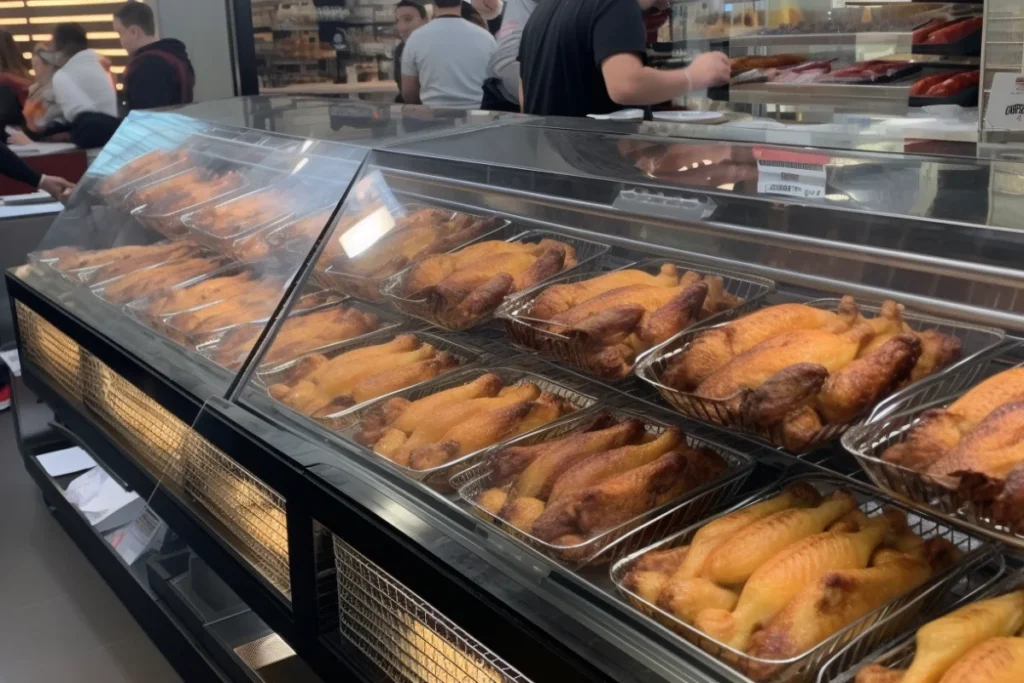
92	129
494	99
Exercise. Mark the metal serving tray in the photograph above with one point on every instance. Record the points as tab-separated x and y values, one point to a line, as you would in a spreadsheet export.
439	478
625	538
369	288
527	333
588	259
888	426
275	236
888	619
897	649
468	356
388	321
980	345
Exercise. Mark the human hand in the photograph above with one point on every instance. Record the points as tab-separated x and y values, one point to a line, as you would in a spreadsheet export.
16	136
709	69
57	187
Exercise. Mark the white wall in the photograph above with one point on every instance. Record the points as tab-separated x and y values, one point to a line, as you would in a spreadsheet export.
203	26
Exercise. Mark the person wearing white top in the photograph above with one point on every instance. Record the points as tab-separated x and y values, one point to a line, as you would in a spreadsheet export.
83	88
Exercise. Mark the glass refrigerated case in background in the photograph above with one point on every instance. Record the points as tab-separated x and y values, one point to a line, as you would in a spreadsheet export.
433	410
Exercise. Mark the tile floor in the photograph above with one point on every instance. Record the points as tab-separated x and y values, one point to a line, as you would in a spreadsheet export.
59	621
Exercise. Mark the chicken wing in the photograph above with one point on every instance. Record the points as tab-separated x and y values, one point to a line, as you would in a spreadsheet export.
839	598
939	430
539	477
992	448
755	366
783	576
853	389
471	434
714	348
997	660
421	411
940	643
737	558
938	351
560	298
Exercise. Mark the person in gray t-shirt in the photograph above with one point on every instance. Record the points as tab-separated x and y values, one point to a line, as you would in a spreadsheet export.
503	69
444	63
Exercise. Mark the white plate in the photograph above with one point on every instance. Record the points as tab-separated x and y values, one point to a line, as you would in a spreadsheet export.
621	115
686	116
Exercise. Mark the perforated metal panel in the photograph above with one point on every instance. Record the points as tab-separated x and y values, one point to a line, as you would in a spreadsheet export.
405	636
52	351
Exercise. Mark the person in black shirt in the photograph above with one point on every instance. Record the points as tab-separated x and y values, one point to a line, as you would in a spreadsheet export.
580	57
13	166
409	16
159	73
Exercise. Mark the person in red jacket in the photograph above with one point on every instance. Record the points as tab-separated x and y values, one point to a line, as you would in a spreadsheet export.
159	73
14	81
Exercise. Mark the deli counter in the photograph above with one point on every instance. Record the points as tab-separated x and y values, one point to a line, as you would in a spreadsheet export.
530	401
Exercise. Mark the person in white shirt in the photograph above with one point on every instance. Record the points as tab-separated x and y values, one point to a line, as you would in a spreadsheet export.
83	88
444	63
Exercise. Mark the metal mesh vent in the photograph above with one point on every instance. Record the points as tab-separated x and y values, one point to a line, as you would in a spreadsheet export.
264	652
406	637
253	511
155	435
50	350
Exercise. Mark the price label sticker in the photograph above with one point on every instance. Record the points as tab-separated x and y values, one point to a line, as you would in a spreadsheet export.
1006	103
790	173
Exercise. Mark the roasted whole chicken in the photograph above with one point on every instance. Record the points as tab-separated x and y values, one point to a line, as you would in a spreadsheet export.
412	238
776	578
299	335
570	488
319	386
793	369
978	643
613	317
143	283
462	286
449	424
975	445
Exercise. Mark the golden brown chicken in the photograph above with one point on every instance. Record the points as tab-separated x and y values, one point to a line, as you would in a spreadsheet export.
940	430
300	334
462	286
790	370
120	260
998	660
777	577
598	477
943	642
143	283
321	387
240	215
839	598
205	292
612	318
185	190
450	424
141	166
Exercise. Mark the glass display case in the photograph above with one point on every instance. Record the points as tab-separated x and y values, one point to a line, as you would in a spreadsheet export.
446	426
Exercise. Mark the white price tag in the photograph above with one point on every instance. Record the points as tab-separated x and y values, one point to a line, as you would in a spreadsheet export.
1006	103
132	541
790	187
791	178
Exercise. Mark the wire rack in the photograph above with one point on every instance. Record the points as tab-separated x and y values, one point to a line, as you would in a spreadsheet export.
533	334
588	259
368	288
409	639
439	478
52	351
154	434
980	346
868	442
253	511
898	651
632	534
875	626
